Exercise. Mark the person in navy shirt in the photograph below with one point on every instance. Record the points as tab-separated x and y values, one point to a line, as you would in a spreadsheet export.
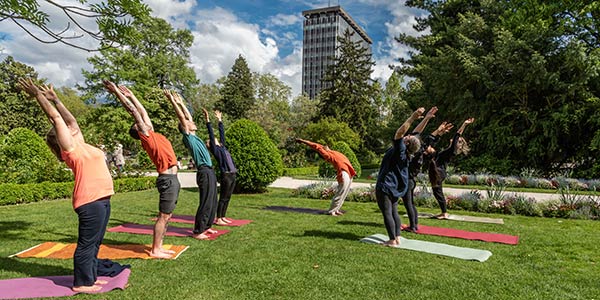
392	181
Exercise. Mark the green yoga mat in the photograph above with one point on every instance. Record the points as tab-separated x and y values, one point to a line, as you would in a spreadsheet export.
464	218
433	248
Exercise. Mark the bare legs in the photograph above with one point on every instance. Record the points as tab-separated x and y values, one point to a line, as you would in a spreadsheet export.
159	232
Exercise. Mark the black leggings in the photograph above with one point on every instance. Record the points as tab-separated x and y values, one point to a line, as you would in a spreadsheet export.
389	208
411	209
93	218
227	186
438	193
207	188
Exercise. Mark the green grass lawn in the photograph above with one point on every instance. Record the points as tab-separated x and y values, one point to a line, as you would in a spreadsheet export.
287	255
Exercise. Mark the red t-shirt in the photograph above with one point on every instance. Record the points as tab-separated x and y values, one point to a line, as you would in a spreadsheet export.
92	178
159	149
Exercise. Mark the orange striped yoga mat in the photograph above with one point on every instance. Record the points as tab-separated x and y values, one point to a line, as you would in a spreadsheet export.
65	251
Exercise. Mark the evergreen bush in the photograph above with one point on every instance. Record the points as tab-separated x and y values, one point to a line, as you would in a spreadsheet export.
257	159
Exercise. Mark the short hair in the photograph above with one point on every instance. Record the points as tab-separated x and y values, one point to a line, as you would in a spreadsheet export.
52	142
413	144
133	132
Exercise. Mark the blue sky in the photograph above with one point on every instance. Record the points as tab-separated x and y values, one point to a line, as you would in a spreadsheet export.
267	33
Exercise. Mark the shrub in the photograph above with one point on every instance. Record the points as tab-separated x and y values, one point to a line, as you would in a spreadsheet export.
327	170
526	206
25	158
257	158
328	131
11	193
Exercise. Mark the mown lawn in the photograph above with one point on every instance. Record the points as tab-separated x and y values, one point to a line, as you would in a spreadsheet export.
287	255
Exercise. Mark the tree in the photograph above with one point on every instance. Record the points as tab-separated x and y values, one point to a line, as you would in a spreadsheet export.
350	93
237	92
16	107
528	70
272	110
113	20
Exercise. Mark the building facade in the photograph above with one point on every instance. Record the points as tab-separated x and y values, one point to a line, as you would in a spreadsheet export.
322	27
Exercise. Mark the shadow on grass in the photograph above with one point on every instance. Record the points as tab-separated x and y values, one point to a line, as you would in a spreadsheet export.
297	210
372	224
29	267
333	235
6	226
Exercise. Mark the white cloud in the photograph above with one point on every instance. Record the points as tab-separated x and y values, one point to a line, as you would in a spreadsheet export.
172	10
285	20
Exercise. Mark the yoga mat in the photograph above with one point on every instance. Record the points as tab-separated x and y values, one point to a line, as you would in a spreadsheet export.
65	251
467	235
433	248
464	218
54	286
191	220
299	210
172	231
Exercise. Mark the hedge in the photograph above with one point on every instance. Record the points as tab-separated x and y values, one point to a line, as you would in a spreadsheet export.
300	171
11	193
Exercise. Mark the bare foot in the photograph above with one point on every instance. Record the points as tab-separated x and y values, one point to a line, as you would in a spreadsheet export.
201	236
221	222
332	214
100	281
159	254
227	220
86	289
442	216
163	250
391	243
210	231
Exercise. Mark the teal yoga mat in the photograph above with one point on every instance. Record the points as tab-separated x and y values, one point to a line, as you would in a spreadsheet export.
433	248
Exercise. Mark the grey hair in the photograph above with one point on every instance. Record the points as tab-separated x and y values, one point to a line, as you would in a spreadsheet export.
413	144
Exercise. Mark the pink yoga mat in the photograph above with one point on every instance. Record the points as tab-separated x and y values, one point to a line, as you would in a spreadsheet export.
467	235
53	286
190	220
171	231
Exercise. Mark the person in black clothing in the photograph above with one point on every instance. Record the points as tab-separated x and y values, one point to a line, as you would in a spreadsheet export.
438	161
414	168
392	181
226	166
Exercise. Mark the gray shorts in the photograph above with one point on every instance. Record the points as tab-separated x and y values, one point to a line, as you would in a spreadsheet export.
168	188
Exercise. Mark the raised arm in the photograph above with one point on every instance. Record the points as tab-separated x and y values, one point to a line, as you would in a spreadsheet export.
180	115
138	105
430	114
219	116
464	125
130	107
63	133
316	146
404	128
211	134
48	92
183	107
444	128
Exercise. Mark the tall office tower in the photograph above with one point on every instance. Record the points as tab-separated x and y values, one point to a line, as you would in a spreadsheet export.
322	27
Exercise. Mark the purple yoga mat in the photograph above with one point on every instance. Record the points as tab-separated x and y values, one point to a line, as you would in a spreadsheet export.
171	231
53	286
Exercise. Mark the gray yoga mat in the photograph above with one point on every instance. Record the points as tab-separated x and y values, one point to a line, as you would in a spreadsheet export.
464	218
433	248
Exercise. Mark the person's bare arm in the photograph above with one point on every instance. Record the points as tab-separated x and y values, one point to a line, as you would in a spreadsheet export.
180	114
48	92
404	128
464	125
138	105
184	108
130	107
430	114
444	128
63	133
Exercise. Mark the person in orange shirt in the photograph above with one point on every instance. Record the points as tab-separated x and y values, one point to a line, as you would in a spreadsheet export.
345	173
161	153
93	183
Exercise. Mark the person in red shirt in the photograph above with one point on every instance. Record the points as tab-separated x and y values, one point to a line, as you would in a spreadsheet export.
93	183
161	153
345	173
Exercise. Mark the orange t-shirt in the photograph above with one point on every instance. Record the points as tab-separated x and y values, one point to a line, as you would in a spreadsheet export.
339	161
92	178
159	149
